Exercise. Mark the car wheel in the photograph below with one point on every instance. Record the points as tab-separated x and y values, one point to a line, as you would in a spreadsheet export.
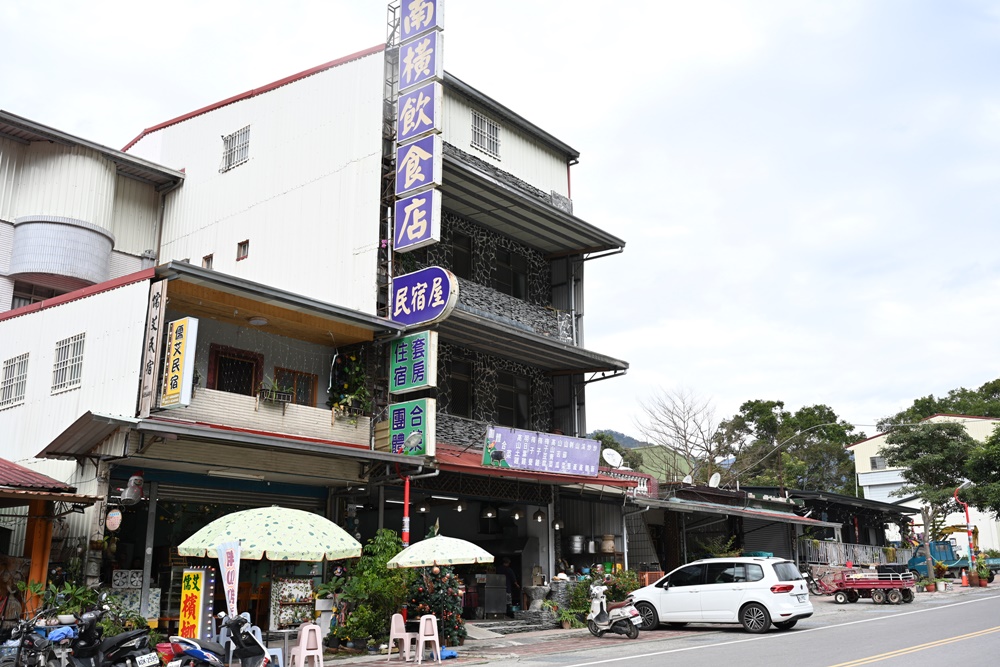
894	596
650	621
755	618
677	626
631	630
840	597
907	594
878	597
852	596
786	625
594	630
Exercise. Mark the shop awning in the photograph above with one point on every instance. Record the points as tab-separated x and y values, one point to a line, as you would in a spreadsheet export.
679	505
20	486
470	462
80	437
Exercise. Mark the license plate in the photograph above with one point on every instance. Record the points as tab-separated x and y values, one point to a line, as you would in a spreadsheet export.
174	663
147	660
636	620
801	598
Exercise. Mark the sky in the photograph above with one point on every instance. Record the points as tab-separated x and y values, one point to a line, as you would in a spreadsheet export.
808	191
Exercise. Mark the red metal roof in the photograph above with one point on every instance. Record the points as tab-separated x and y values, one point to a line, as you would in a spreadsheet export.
17	476
470	461
82	293
257	91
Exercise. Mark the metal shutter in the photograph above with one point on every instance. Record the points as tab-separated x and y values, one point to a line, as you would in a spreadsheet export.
763	535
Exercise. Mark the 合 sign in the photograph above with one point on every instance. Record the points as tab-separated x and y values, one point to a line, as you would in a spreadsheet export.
413	362
424	296
178	374
540	452
151	345
411	427
229	566
197	594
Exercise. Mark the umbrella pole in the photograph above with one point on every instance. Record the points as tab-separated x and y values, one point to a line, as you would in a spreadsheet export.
406	512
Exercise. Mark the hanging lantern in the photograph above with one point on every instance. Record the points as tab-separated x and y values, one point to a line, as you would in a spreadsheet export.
539	516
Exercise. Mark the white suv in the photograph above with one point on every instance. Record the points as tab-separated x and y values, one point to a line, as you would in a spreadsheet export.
755	592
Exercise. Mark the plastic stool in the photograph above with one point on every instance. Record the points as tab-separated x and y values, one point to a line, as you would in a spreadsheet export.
310	646
428	635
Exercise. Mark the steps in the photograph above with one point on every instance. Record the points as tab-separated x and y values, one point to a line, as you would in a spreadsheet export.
510	626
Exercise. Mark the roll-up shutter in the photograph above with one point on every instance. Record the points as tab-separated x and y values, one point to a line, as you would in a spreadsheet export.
762	535
192	494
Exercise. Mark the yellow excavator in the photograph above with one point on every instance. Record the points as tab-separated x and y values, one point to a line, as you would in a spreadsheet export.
943	533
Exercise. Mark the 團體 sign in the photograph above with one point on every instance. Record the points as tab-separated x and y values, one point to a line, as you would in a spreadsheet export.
411	427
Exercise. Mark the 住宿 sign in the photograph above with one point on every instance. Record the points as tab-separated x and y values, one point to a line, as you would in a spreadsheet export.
423	296
413	362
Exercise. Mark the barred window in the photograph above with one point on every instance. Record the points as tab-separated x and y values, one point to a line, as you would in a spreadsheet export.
14	381
235	149
485	134
68	368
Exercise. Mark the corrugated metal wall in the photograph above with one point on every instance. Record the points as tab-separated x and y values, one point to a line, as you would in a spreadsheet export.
114	324
136	209
590	518
520	155
11	157
776	538
313	177
72	182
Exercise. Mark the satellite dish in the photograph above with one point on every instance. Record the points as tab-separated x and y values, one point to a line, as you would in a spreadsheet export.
714	480
688	479
613	458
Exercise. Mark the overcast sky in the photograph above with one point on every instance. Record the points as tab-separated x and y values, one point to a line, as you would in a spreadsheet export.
808	191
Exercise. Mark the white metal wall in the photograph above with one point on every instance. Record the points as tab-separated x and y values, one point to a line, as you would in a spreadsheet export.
114	324
11	158
307	199
521	155
72	182
133	222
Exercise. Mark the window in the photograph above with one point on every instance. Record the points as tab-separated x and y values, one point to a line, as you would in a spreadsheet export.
68	368
235	149
485	134
206	262
726	573
460	384
461	255
302	385
511	274
242	250
234	370
26	294
787	571
878	462
14	381
688	576
754	572
513	400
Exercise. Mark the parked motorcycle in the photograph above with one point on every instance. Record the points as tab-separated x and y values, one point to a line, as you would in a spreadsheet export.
619	617
33	650
247	648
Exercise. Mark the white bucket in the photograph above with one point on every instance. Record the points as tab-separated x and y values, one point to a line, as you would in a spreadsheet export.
576	544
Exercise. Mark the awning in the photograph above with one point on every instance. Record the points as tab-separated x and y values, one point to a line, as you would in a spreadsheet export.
17	476
678	505
84	434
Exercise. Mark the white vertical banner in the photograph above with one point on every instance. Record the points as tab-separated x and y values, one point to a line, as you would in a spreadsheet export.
151	346
229	564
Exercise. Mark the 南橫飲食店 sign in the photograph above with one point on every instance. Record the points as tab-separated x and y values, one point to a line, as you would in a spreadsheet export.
413	362
541	452
178	374
423	296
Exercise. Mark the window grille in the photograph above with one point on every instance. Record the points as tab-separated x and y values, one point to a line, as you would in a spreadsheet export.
26	294
235	149
68	368
14	382
485	134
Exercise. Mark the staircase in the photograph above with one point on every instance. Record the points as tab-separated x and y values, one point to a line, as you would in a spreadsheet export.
523	621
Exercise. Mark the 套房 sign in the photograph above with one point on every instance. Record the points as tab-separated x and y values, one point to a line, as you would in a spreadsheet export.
541	452
413	362
423	296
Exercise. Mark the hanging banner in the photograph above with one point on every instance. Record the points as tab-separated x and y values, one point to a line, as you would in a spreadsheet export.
540	452
197	592
178	372
411	427
229	566
151	345
413	362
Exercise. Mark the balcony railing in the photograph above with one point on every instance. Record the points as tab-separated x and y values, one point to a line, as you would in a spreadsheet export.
491	304
838	553
209	406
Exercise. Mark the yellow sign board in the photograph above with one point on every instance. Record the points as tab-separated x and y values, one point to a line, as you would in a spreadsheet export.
178	374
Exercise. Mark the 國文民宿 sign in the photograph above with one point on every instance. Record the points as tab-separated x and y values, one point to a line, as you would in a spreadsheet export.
413	362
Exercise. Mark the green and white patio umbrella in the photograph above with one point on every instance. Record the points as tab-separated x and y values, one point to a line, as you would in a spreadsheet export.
440	550
274	533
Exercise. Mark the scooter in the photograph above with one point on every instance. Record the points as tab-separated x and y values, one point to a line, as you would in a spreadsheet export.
33	650
248	649
126	649
619	617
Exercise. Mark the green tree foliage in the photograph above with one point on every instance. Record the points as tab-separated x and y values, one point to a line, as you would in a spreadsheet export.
373	586
932	459
983	469
435	591
770	446
632	459
982	402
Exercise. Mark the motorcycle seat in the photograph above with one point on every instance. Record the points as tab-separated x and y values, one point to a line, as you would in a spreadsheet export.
617	605
214	647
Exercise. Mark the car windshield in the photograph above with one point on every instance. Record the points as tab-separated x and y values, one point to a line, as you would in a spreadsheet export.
787	571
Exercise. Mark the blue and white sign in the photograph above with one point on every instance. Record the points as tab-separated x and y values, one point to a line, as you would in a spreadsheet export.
419	112
417	221
420	16
541	452
423	296
421	61
418	165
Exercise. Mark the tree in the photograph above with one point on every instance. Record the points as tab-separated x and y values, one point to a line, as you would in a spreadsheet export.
932	459
682	425
982	402
983	469
374	588
630	457
435	591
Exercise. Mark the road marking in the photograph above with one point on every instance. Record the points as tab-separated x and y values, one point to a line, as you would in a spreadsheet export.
914	649
776	636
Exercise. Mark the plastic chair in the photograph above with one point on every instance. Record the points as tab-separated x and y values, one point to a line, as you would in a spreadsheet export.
271	651
227	643
397	632
428	635
310	646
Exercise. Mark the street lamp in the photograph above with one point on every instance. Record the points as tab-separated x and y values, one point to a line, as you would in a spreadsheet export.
968	525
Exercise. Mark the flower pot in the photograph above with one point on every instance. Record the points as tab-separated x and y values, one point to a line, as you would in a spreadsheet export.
324	604
942	586
333	642
931	588
565	625
983	583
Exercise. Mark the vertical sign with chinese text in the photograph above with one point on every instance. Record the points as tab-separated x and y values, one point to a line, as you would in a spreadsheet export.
411	427
418	165
417	221
151	345
423	296
420	16
413	362
541	452
178	373
197	592
421	60
229	566
419	112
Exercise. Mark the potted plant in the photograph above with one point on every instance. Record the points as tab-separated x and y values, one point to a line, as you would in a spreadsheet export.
273	392
326	594
983	570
